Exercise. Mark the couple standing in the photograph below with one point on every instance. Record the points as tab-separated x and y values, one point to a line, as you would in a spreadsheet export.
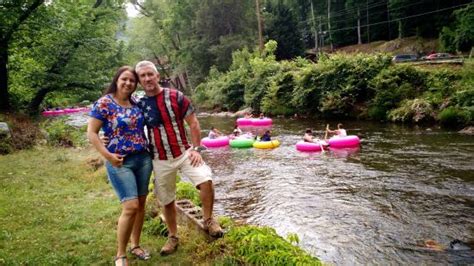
129	163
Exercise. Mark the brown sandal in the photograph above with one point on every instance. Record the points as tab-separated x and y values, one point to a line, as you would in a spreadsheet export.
144	255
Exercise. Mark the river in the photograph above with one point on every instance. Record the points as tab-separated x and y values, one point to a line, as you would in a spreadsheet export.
372	205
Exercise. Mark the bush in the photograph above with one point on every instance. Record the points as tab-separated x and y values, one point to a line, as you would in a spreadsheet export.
6	145
185	190
454	117
24	133
61	134
277	100
252	245
155	227
416	110
393	85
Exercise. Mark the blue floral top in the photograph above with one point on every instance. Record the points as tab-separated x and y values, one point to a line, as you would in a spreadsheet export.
123	126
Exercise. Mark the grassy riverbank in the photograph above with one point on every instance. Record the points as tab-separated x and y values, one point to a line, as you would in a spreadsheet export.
56	209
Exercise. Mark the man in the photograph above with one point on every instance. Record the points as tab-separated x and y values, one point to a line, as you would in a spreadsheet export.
165	111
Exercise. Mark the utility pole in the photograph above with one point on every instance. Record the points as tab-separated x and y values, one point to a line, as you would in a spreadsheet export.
320	32
329	24
359	40
388	20
260	26
315	29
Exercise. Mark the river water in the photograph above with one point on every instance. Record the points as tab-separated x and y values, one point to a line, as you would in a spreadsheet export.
371	205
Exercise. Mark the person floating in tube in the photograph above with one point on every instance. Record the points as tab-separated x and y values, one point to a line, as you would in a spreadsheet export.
214	133
339	132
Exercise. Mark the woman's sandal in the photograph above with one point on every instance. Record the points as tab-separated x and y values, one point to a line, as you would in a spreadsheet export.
121	259
144	255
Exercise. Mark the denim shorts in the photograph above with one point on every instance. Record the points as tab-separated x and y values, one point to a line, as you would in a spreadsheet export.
131	179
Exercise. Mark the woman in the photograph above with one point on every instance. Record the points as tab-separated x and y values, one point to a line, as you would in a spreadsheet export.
339	132
214	133
128	163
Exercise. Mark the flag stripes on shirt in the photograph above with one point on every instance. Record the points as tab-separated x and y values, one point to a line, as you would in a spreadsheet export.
164	117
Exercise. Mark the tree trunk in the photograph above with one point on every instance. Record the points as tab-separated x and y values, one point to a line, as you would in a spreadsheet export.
359	37
367	21
260	26
4	96
316	41
329	25
33	107
5	38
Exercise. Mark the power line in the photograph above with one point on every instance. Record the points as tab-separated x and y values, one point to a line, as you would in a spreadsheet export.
398	19
380	12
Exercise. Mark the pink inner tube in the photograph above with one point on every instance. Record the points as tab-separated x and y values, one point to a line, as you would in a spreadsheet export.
308	146
218	142
261	122
56	112
71	110
244	121
344	142
48	113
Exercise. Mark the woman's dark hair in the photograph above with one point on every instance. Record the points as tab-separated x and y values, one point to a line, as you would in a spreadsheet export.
309	131
339	126
113	86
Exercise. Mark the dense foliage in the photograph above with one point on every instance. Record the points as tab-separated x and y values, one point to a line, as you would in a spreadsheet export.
62	52
195	38
253	245
459	36
360	86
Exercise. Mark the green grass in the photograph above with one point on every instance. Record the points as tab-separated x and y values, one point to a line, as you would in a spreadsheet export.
54	209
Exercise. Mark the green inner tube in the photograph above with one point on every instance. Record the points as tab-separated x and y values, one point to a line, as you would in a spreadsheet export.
241	143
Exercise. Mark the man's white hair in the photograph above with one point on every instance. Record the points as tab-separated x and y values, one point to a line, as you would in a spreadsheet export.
145	63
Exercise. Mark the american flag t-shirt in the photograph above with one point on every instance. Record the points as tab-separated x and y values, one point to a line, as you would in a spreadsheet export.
164	117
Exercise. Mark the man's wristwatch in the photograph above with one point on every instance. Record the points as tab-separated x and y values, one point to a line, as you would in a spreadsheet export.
199	148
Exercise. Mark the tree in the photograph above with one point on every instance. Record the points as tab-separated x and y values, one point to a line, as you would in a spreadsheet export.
281	25
195	35
12	15
67	47
460	35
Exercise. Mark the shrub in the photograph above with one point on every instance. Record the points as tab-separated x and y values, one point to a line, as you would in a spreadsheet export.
6	145
454	117
393	85
61	134
277	99
155	227
337	84
416	110
252	245
24	133
185	190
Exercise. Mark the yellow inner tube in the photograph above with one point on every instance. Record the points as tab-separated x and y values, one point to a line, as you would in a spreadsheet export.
266	144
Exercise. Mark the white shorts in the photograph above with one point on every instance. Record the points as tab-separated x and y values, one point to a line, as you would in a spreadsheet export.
165	172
